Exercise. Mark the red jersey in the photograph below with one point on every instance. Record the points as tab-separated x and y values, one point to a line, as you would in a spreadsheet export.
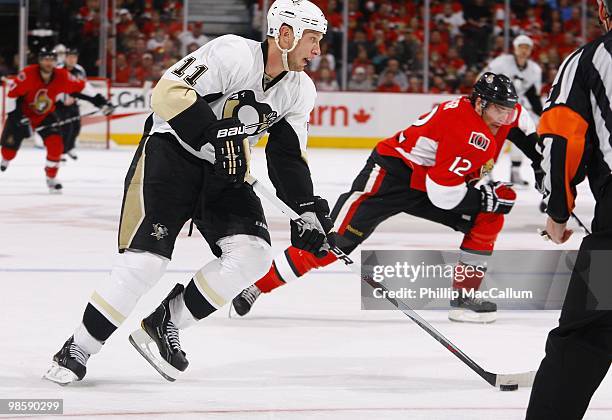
38	96
448	147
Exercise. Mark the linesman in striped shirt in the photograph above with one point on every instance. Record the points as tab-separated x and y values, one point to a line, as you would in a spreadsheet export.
575	129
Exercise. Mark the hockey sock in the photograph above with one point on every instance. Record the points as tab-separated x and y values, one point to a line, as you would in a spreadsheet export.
8	154
244	259
481	237
55	148
133	274
290	265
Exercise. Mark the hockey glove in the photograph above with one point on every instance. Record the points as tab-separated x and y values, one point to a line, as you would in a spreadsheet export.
105	106
497	197
20	124
311	237
232	151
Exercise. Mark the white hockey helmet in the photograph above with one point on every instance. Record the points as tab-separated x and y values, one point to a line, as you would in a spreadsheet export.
522	40
300	15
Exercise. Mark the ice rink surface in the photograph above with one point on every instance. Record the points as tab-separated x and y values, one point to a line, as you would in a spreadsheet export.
306	351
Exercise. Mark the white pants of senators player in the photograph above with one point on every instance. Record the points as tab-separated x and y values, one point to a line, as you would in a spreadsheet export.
243	261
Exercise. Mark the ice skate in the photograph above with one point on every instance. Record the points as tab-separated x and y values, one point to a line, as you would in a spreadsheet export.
168	359
55	187
244	301
4	164
69	364
468	309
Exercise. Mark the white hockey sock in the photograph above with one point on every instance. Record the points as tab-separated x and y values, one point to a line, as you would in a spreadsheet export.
180	315
84	340
245	259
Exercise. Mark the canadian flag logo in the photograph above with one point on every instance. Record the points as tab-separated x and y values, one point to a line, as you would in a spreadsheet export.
362	116
479	140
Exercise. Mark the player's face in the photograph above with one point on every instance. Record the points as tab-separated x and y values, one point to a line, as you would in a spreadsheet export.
496	115
522	52
71	60
307	48
47	64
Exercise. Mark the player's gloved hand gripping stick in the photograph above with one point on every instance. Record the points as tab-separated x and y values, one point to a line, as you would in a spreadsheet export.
506	382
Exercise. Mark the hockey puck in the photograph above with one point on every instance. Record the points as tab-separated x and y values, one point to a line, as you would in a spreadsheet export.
510	387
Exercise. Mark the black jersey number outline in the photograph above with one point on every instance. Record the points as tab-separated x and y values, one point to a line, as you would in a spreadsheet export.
200	69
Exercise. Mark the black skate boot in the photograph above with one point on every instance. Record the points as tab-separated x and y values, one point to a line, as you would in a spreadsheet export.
4	164
244	301
470	309
68	364
158	328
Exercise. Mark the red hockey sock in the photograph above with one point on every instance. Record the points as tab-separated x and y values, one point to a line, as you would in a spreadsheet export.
483	234
8	154
55	148
270	281
292	264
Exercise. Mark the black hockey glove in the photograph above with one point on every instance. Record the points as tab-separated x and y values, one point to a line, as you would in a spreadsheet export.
20	125
232	151
497	197
311	237
106	106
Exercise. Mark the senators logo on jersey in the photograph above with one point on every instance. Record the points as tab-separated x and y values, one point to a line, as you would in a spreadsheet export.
42	103
479	141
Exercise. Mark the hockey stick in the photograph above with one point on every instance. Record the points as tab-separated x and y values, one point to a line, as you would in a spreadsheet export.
586	230
504	381
89	114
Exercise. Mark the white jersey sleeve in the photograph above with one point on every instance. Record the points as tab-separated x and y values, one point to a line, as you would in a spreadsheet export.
299	116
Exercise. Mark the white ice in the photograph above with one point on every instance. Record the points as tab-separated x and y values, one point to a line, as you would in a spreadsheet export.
306	351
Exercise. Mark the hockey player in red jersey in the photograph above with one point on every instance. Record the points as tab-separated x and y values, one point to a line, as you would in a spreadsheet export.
34	91
429	170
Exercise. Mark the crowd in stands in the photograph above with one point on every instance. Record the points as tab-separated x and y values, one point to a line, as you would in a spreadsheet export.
386	38
149	37
385	48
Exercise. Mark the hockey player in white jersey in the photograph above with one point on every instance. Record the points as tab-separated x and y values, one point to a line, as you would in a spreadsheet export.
526	75
191	164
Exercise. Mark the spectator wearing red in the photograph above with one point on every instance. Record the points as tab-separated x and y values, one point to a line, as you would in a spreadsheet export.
144	71
123	72
388	84
437	44
399	77
415	85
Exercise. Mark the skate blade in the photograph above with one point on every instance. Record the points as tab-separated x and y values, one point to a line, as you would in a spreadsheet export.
54	191
464	315
60	375
144	344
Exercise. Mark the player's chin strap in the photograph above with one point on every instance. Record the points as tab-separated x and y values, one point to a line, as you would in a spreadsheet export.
285	52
